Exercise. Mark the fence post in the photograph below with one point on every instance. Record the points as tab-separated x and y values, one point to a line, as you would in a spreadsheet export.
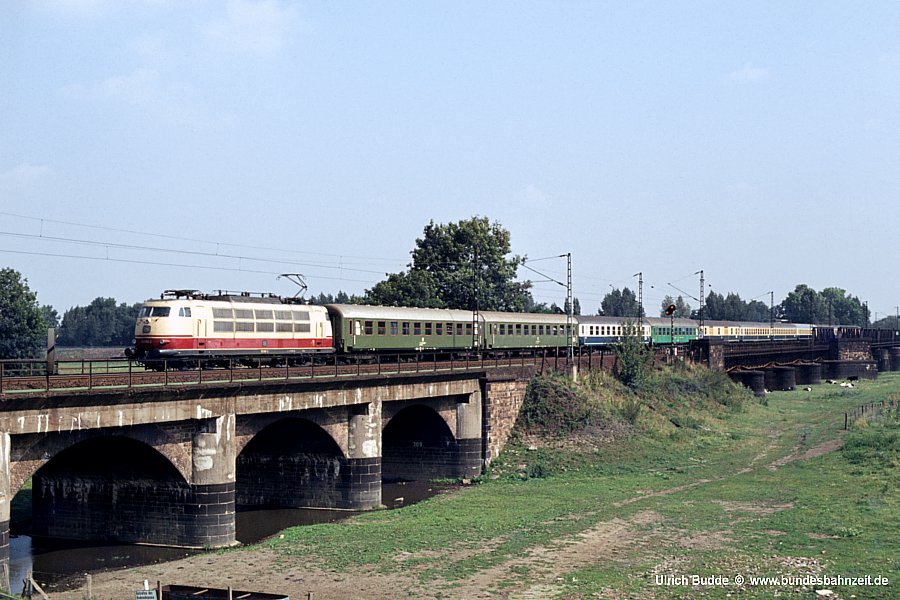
845	421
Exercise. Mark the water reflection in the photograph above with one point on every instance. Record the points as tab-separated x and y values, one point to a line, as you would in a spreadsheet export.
59	564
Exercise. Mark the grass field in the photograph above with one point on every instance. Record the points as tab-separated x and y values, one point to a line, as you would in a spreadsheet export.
662	494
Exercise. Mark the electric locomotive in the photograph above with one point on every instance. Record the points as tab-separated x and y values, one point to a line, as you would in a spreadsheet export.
188	325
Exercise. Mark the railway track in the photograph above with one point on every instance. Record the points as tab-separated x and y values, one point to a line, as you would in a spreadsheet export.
112	375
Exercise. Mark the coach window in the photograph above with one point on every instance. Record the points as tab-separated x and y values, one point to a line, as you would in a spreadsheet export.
417	328
428	328
449	328
368	327
393	327
439	328
502	328
382	327
405	327
468	329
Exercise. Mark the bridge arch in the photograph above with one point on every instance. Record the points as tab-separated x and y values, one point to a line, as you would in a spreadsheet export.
418	444
292	462
110	488
33	451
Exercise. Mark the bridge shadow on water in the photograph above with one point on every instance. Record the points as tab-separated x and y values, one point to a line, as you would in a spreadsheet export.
61	564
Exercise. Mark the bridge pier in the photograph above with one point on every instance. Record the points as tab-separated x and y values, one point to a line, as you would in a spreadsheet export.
211	507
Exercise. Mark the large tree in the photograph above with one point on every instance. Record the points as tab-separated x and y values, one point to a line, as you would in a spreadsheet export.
620	304
101	323
23	331
732	308
457	265
832	306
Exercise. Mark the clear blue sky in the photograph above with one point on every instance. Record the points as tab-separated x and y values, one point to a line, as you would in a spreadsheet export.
758	141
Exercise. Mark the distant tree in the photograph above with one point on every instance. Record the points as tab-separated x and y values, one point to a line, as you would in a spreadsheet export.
101	323
454	264
340	298
51	317
758	311
845	309
833	305
805	305
714	308
682	308
576	306
889	322
620	304
23	331
732	308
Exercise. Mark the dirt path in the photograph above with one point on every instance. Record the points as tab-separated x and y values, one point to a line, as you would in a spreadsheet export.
263	570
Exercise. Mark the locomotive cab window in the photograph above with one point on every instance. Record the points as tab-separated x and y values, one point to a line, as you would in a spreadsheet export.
184	311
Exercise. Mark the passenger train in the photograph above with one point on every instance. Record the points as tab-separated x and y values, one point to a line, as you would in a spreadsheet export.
186	325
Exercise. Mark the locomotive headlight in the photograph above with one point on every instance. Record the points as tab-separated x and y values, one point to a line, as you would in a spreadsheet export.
163	342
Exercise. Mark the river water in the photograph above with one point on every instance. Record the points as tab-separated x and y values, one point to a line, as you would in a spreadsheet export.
59	564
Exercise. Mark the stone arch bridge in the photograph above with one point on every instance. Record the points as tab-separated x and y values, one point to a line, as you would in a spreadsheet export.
170	465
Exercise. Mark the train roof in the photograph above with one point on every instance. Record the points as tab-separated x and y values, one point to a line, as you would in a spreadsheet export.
490	316
756	324
366	311
606	320
667	321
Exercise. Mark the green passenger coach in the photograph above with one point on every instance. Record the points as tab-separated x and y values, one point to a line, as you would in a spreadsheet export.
661	330
362	328
525	330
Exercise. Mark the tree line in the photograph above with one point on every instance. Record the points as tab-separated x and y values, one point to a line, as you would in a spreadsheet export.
466	265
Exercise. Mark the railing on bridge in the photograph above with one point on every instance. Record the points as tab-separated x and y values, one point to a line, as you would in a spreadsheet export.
32	376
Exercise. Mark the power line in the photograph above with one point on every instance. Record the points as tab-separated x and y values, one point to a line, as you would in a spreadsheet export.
178	251
164	264
188	239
